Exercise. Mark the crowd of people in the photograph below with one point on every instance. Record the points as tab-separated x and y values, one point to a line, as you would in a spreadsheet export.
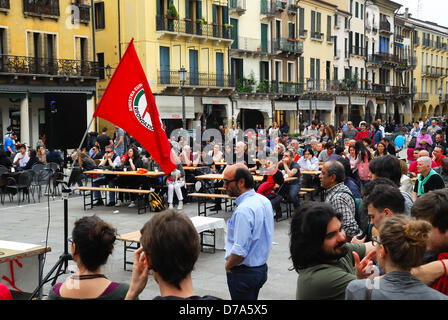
379	231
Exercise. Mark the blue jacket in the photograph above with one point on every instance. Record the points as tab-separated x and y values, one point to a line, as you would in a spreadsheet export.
377	137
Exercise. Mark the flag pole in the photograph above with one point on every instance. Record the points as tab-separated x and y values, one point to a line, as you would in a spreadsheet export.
85	134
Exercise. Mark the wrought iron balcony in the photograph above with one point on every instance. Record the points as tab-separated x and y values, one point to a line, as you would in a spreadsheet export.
292	9
4	4
385	26
407	63
358	51
19	65
195	79
317	36
435	72
398	37
237	6
84	12
287	88
288	45
421	96
280	5
383	58
190	27
251	45
443	98
41	8
268	8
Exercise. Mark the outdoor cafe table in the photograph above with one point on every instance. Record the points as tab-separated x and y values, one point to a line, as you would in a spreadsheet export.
217	176
150	174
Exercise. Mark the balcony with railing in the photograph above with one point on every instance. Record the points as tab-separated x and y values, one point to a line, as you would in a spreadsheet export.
303	33
195	79
443	98
41	8
358	51
434	72
189	28
398	37
267	8
287	88
385	26
383	59
288	46
250	46
317	36
4	5
421	96
237	6
280	6
19	65
292	8
84	12
407	63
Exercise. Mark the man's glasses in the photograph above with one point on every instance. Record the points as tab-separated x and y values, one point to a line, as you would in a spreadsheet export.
227	181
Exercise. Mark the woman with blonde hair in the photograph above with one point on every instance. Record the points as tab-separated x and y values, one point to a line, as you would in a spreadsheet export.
399	248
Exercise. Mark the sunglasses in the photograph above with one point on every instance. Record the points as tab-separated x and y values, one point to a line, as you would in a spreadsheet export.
228	181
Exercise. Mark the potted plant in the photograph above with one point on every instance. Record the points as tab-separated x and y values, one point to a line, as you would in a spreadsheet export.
228	26
201	21
172	12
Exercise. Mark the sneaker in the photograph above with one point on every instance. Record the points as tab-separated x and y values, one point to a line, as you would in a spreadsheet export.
170	206
110	204
118	204
98	203
180	205
132	205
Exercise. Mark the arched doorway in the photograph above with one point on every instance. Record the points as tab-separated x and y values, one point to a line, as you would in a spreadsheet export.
430	111
370	109
437	111
416	112
424	112
248	119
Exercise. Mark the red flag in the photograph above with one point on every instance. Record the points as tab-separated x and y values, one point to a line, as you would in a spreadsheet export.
128	103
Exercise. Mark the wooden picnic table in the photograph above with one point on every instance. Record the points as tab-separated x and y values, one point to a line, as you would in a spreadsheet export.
151	174
220	176
192	168
311	172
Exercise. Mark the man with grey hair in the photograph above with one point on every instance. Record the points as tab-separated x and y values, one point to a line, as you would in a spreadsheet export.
350	133
427	179
339	196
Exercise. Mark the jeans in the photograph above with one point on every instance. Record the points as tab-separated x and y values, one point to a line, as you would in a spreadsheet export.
103	181
293	194
245	282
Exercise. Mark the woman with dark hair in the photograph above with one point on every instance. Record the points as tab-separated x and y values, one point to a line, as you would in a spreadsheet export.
132	163
33	159
399	248
92	243
376	133
381	150
364	157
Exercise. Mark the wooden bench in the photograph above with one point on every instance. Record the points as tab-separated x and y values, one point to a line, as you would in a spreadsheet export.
205	226
202	199
141	204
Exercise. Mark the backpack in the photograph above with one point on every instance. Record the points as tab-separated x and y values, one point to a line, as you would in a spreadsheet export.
358	207
363	169
156	202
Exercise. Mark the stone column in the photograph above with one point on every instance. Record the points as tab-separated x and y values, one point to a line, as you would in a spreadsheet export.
25	121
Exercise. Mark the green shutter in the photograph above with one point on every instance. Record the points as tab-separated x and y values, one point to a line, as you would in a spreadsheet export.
159	7
264	37
318	27
198	9
313	23
187	9
328	26
301	20
317	69
312	68
234	23
215	14
301	70
225	15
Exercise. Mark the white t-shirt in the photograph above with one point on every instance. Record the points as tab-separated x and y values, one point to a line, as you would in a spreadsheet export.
22	162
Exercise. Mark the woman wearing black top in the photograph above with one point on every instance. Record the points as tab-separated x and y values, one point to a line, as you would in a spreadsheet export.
132	163
33	159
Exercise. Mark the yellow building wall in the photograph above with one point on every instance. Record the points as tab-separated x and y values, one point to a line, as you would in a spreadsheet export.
18	26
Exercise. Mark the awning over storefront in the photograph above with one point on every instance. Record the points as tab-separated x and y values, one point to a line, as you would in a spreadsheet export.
285	105
215	100
324	105
170	107
14	89
260	105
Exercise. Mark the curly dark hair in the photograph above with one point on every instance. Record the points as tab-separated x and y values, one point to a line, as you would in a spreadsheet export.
307	233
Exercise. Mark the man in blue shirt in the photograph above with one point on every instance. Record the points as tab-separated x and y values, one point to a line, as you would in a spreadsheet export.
9	144
249	235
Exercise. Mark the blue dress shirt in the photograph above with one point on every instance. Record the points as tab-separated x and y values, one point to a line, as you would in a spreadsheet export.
250	229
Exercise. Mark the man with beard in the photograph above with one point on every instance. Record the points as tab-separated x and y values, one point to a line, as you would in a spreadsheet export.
325	262
249	235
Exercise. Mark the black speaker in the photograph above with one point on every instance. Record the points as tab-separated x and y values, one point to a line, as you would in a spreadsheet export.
65	119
